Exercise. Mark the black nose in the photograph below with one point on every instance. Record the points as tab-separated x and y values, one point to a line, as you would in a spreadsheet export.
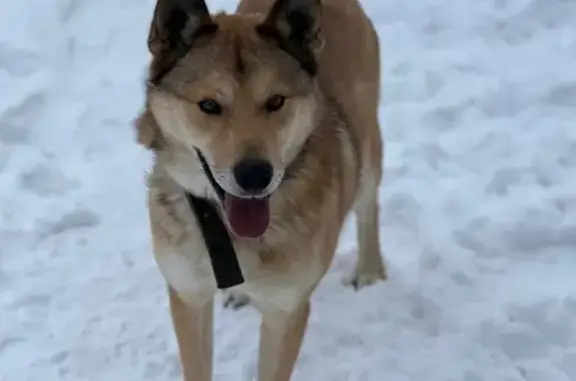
253	175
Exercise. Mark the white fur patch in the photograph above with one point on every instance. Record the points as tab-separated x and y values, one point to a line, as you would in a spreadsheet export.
284	291
225	178
183	165
295	134
189	273
170	113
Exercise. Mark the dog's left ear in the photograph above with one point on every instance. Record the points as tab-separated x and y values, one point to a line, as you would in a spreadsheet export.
294	24
297	20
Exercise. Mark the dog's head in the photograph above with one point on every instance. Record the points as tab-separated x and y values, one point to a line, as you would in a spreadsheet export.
237	92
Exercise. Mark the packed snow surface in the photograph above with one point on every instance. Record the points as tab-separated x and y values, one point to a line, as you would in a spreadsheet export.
478	216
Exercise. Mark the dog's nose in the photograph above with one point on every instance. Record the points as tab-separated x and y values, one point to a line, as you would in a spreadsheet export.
253	175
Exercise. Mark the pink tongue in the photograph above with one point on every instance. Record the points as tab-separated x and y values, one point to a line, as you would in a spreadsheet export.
248	218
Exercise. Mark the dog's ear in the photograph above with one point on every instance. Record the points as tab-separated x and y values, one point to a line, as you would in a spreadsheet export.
294	24
297	20
176	23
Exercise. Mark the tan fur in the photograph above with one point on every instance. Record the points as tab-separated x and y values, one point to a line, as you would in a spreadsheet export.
326	139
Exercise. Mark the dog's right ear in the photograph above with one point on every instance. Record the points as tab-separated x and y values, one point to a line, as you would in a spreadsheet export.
176	23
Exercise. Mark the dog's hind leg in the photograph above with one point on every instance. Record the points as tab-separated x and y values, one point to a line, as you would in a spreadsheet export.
370	267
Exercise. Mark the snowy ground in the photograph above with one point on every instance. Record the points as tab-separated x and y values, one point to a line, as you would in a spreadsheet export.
478	219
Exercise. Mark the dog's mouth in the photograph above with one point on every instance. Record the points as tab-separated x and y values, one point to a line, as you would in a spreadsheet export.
247	217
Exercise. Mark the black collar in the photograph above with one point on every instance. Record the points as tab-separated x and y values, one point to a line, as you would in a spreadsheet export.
223	257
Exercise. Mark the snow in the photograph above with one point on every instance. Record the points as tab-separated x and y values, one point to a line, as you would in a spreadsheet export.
478	215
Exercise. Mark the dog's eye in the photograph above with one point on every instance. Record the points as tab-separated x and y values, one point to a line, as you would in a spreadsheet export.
210	107
275	103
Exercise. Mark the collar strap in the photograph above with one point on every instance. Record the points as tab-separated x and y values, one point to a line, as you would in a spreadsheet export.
225	265
208	172
218	242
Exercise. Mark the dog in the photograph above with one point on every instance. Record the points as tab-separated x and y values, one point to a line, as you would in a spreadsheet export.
268	116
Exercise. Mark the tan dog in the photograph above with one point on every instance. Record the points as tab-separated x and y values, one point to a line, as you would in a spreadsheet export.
279	102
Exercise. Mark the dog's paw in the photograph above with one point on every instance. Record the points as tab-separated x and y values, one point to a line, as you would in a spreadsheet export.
365	277
235	300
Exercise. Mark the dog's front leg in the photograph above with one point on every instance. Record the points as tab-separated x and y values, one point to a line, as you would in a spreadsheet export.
281	336
193	323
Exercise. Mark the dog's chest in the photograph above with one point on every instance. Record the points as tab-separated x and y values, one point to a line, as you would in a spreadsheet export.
273	279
